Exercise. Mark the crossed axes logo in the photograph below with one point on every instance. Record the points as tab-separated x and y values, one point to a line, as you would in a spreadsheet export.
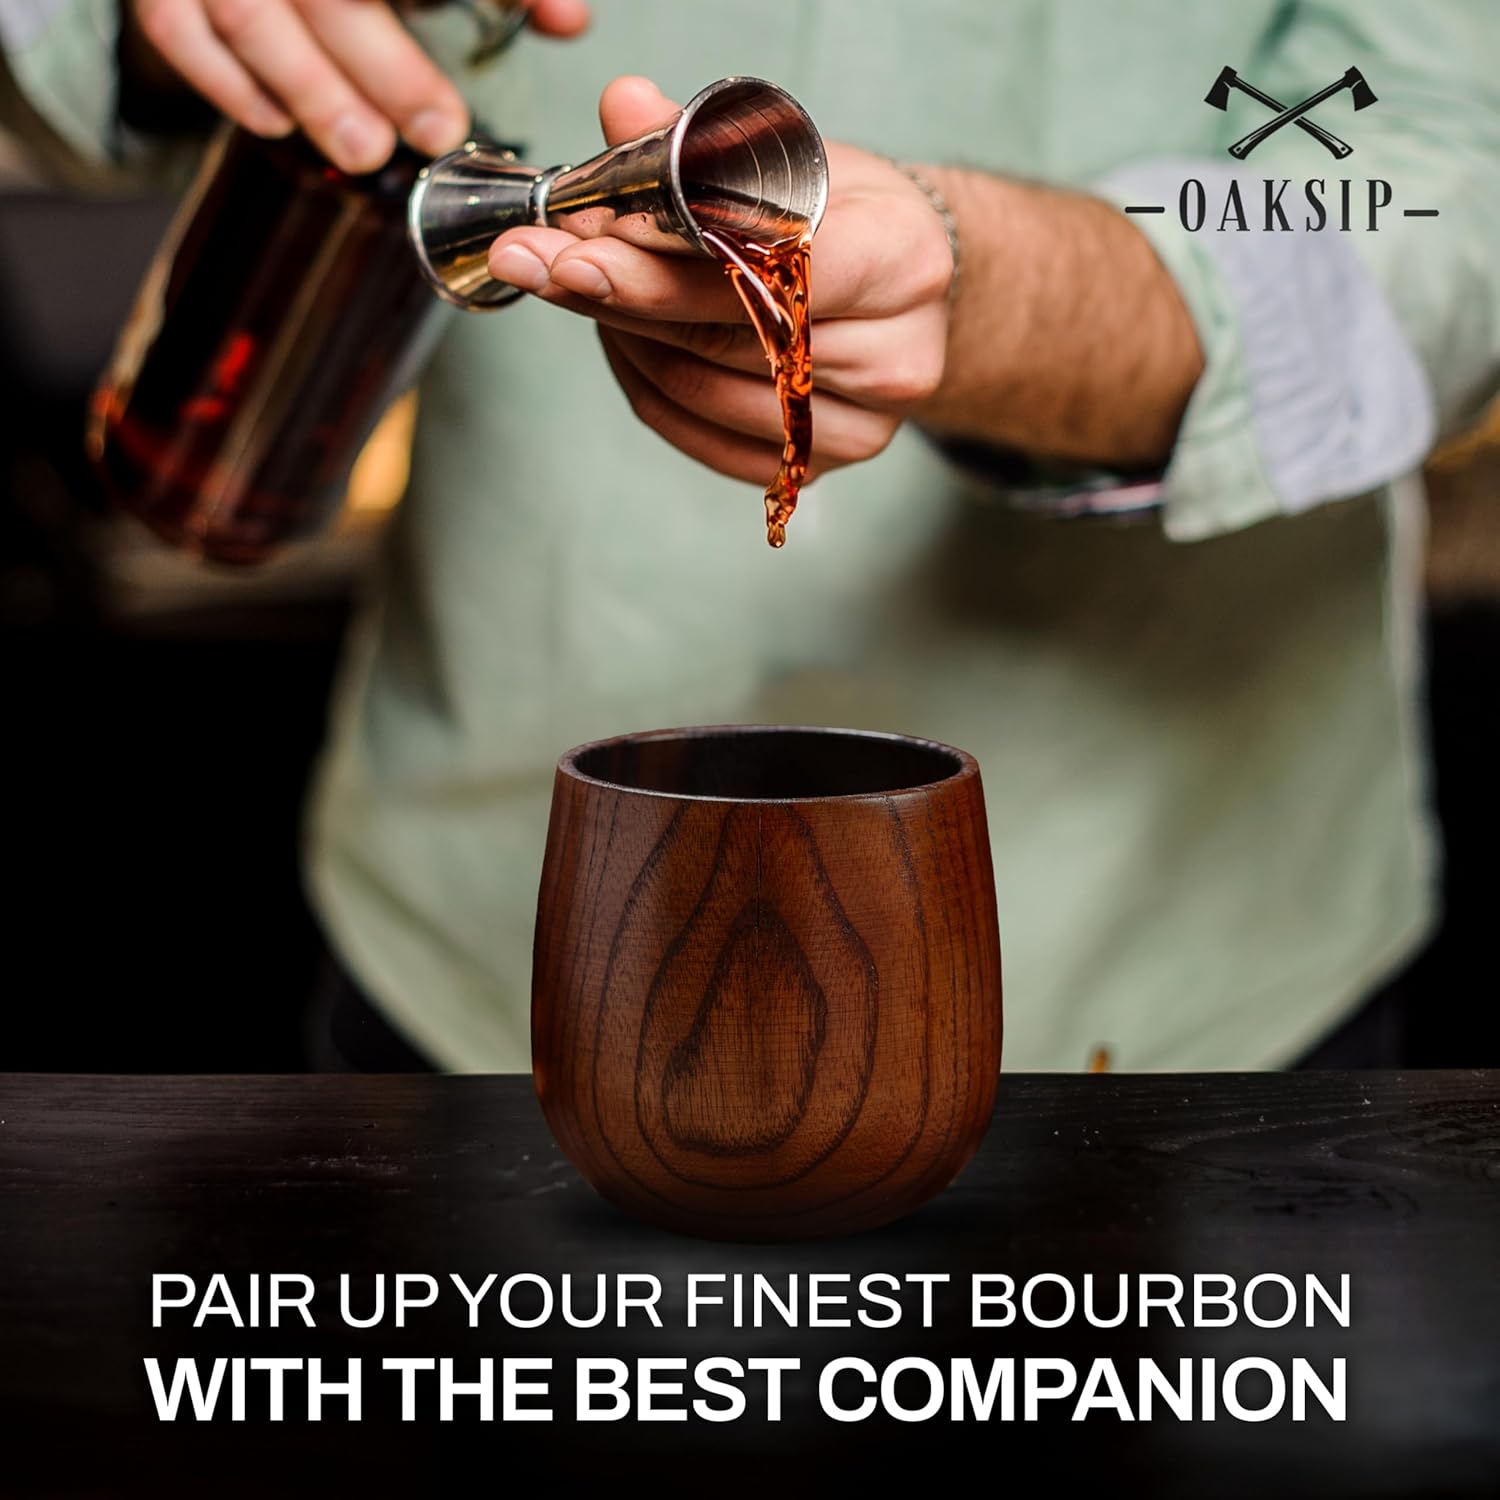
1360	92
1329	203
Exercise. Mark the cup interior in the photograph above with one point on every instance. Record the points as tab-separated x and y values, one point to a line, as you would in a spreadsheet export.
766	765
750	162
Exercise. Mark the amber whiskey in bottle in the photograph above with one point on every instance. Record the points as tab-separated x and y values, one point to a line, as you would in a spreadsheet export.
280	317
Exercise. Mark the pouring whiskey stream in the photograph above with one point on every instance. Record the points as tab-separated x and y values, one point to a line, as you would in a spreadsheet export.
773	283
740	175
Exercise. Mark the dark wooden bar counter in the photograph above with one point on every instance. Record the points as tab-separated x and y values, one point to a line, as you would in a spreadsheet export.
1393	1179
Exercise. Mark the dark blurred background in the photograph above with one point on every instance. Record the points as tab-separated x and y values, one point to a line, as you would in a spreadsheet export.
163	716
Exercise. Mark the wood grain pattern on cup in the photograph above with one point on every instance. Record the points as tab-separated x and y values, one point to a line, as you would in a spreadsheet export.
766	993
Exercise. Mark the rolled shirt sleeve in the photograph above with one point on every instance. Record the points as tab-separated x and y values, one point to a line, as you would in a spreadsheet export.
1434	135
1333	360
1311	389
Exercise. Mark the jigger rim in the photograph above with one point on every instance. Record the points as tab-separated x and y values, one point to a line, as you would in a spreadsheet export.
684	121
416	208
964	766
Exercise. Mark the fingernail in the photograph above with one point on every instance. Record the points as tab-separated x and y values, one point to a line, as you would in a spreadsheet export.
517	265
358	144
583	277
435	131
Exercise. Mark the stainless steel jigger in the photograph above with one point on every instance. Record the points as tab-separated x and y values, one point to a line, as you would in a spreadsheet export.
743	157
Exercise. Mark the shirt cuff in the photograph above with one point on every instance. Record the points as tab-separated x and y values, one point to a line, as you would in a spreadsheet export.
1310	390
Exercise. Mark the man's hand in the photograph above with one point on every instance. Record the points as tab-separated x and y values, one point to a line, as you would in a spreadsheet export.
684	352
1068	337
345	71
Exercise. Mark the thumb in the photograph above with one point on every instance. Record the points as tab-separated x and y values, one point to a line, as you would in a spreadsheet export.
631	106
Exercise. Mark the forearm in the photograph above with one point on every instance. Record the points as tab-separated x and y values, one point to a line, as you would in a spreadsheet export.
1068	337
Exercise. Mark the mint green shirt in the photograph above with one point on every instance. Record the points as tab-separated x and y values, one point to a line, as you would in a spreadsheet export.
1198	730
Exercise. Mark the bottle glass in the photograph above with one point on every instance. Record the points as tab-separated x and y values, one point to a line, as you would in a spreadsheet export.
282	314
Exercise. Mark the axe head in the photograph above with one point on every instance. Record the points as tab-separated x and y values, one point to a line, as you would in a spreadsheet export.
1359	91
1218	95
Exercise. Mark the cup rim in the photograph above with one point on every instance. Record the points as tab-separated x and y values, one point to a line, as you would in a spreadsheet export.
683	123
967	767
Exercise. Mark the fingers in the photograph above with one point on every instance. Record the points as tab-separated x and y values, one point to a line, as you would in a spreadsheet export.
559	18
744	405
632	106
388	68
271	39
732	344
179	31
888	364
891	365
678	339
721	450
614	274
910	267
346	71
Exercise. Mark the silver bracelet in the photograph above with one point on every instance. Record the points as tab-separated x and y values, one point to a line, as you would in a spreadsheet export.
934	196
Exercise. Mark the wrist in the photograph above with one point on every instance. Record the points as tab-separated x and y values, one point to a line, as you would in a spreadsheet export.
1069	338
985	343
927	181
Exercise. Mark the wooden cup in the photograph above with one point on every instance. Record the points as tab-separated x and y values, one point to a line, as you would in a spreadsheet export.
766	987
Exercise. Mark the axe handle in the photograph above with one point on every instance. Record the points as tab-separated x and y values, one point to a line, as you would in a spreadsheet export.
1339	149
1242	148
